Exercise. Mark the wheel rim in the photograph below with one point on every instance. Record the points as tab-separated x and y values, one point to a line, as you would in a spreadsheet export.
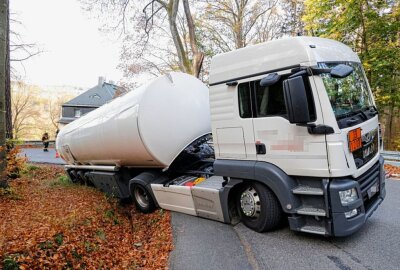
250	203
141	196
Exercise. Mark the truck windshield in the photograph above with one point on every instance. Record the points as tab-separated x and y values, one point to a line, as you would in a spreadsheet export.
350	95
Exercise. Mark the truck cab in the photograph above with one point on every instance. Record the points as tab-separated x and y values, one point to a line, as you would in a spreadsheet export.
297	116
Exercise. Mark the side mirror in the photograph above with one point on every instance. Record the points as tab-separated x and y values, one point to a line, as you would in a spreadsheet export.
341	71
296	100
270	79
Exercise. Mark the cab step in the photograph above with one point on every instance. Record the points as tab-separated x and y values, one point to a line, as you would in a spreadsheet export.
310	211
306	190
314	230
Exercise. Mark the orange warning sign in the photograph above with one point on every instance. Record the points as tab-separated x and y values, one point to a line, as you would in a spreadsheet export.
355	141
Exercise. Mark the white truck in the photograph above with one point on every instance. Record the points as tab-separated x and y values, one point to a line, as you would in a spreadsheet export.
287	129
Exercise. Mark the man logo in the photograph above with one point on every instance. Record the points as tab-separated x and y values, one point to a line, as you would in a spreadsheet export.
368	137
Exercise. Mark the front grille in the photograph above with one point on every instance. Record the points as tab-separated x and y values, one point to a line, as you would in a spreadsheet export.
368	180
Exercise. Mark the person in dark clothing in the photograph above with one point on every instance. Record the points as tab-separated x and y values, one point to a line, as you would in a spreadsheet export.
45	140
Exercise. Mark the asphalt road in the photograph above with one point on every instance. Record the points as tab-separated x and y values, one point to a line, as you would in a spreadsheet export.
37	155
204	244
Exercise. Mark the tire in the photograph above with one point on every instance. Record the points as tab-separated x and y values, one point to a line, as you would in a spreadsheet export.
259	208
143	200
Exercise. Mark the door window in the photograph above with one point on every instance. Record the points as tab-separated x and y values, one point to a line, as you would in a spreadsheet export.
245	109
263	101
269	99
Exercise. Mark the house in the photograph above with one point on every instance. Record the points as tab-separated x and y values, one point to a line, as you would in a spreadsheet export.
92	99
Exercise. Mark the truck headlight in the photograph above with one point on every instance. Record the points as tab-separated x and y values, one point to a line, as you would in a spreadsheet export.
348	196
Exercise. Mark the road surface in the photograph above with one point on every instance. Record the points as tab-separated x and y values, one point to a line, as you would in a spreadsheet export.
205	244
37	155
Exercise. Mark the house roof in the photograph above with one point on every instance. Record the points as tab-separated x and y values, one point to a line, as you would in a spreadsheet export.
95	96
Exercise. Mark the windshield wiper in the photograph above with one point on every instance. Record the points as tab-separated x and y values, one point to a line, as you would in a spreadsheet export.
362	112
345	115
353	113
372	111
366	113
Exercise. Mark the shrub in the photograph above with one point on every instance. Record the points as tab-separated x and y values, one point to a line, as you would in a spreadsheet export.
15	163
10	264
59	239
63	181
10	192
31	168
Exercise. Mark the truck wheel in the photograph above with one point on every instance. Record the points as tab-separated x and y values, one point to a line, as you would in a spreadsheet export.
143	200
259	208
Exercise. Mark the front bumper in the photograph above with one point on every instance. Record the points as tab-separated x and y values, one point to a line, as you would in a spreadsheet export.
370	197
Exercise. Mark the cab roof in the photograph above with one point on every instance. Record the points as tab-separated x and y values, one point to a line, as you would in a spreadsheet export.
277	55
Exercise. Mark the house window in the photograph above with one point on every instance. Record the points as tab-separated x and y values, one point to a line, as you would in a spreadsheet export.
77	113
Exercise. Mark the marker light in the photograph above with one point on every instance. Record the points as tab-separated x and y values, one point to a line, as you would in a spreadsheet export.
351	213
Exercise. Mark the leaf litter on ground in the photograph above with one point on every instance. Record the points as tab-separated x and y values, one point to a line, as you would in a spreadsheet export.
392	171
49	223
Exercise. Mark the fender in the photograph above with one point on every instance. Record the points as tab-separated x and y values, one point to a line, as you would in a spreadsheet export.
268	174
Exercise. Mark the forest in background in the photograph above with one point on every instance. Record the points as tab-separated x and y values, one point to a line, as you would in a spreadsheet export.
182	35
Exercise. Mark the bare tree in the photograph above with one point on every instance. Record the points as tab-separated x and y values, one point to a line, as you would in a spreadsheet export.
164	35
190	58
24	108
17	52
20	50
233	24
159	35
55	105
293	13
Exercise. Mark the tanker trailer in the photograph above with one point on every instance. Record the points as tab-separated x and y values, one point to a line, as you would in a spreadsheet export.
157	129
146	128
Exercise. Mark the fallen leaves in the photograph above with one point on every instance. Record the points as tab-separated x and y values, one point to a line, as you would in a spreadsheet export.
62	226
392	171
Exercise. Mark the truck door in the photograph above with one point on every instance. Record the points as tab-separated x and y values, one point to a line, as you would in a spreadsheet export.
288	146
232	123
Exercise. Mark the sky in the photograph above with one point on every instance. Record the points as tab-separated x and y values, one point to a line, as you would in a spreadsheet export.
75	52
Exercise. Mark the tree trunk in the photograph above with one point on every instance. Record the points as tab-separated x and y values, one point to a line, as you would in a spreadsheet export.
9	133
198	56
389	127
293	6
3	67
172	10
240	39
